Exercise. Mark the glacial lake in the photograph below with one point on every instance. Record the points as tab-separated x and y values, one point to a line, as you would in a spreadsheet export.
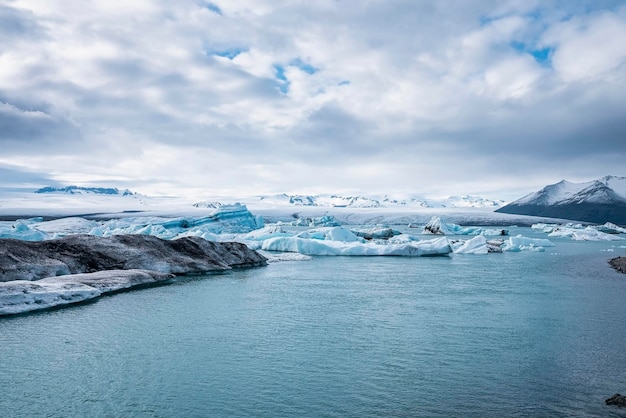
499	335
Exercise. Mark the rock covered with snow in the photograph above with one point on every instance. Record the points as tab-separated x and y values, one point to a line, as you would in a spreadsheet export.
23	260
21	296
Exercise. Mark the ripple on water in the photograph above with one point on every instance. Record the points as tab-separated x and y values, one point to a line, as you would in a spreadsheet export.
499	335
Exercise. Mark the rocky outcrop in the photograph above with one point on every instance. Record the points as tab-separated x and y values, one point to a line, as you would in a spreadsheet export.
617	399
619	264
21	260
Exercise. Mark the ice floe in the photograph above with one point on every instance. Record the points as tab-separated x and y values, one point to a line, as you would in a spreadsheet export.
521	243
436	226
332	247
20	296
578	232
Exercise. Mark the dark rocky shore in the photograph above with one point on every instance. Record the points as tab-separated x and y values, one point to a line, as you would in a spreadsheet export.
619	264
78	268
23	260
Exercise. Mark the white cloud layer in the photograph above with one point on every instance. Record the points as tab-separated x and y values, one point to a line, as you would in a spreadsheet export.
241	96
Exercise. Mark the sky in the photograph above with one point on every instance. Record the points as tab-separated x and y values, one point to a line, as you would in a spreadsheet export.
242	97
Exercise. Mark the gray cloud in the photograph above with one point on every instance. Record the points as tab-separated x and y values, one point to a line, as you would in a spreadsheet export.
16	178
268	95
21	128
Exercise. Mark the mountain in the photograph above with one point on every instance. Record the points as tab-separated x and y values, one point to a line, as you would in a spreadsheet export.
598	201
385	201
85	190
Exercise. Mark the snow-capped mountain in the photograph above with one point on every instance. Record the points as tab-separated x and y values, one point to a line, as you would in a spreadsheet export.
471	202
599	201
86	190
385	201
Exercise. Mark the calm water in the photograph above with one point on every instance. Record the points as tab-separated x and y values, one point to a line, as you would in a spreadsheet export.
526	334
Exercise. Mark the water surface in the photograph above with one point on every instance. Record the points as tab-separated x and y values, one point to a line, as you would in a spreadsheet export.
514	334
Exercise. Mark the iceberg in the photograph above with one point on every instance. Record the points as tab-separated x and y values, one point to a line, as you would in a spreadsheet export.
375	232
476	245
330	234
586	234
437	227
66	226
226	219
521	243
611	228
274	257
22	229
326	220
328	247
479	245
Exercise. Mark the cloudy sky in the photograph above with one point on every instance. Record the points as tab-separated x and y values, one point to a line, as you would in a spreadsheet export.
495	98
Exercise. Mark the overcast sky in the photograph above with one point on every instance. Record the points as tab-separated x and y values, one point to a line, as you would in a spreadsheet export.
230	97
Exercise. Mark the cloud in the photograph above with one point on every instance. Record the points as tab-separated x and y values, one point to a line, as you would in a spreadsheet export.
26	128
264	96
15	178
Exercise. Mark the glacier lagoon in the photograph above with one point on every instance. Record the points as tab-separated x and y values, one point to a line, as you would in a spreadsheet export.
511	334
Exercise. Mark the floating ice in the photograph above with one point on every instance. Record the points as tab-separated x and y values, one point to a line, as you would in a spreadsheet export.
22	229
227	219
521	243
274	257
375	232
586	234
66	226
326	220
313	246
21	296
611	228
476	245
330	234
437	227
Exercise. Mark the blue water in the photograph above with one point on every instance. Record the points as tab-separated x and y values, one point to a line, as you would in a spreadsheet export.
514	334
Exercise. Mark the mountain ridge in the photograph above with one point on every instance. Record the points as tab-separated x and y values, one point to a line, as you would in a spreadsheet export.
85	190
384	201
599	201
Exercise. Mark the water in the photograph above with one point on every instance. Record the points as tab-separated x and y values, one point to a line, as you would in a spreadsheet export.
526	334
